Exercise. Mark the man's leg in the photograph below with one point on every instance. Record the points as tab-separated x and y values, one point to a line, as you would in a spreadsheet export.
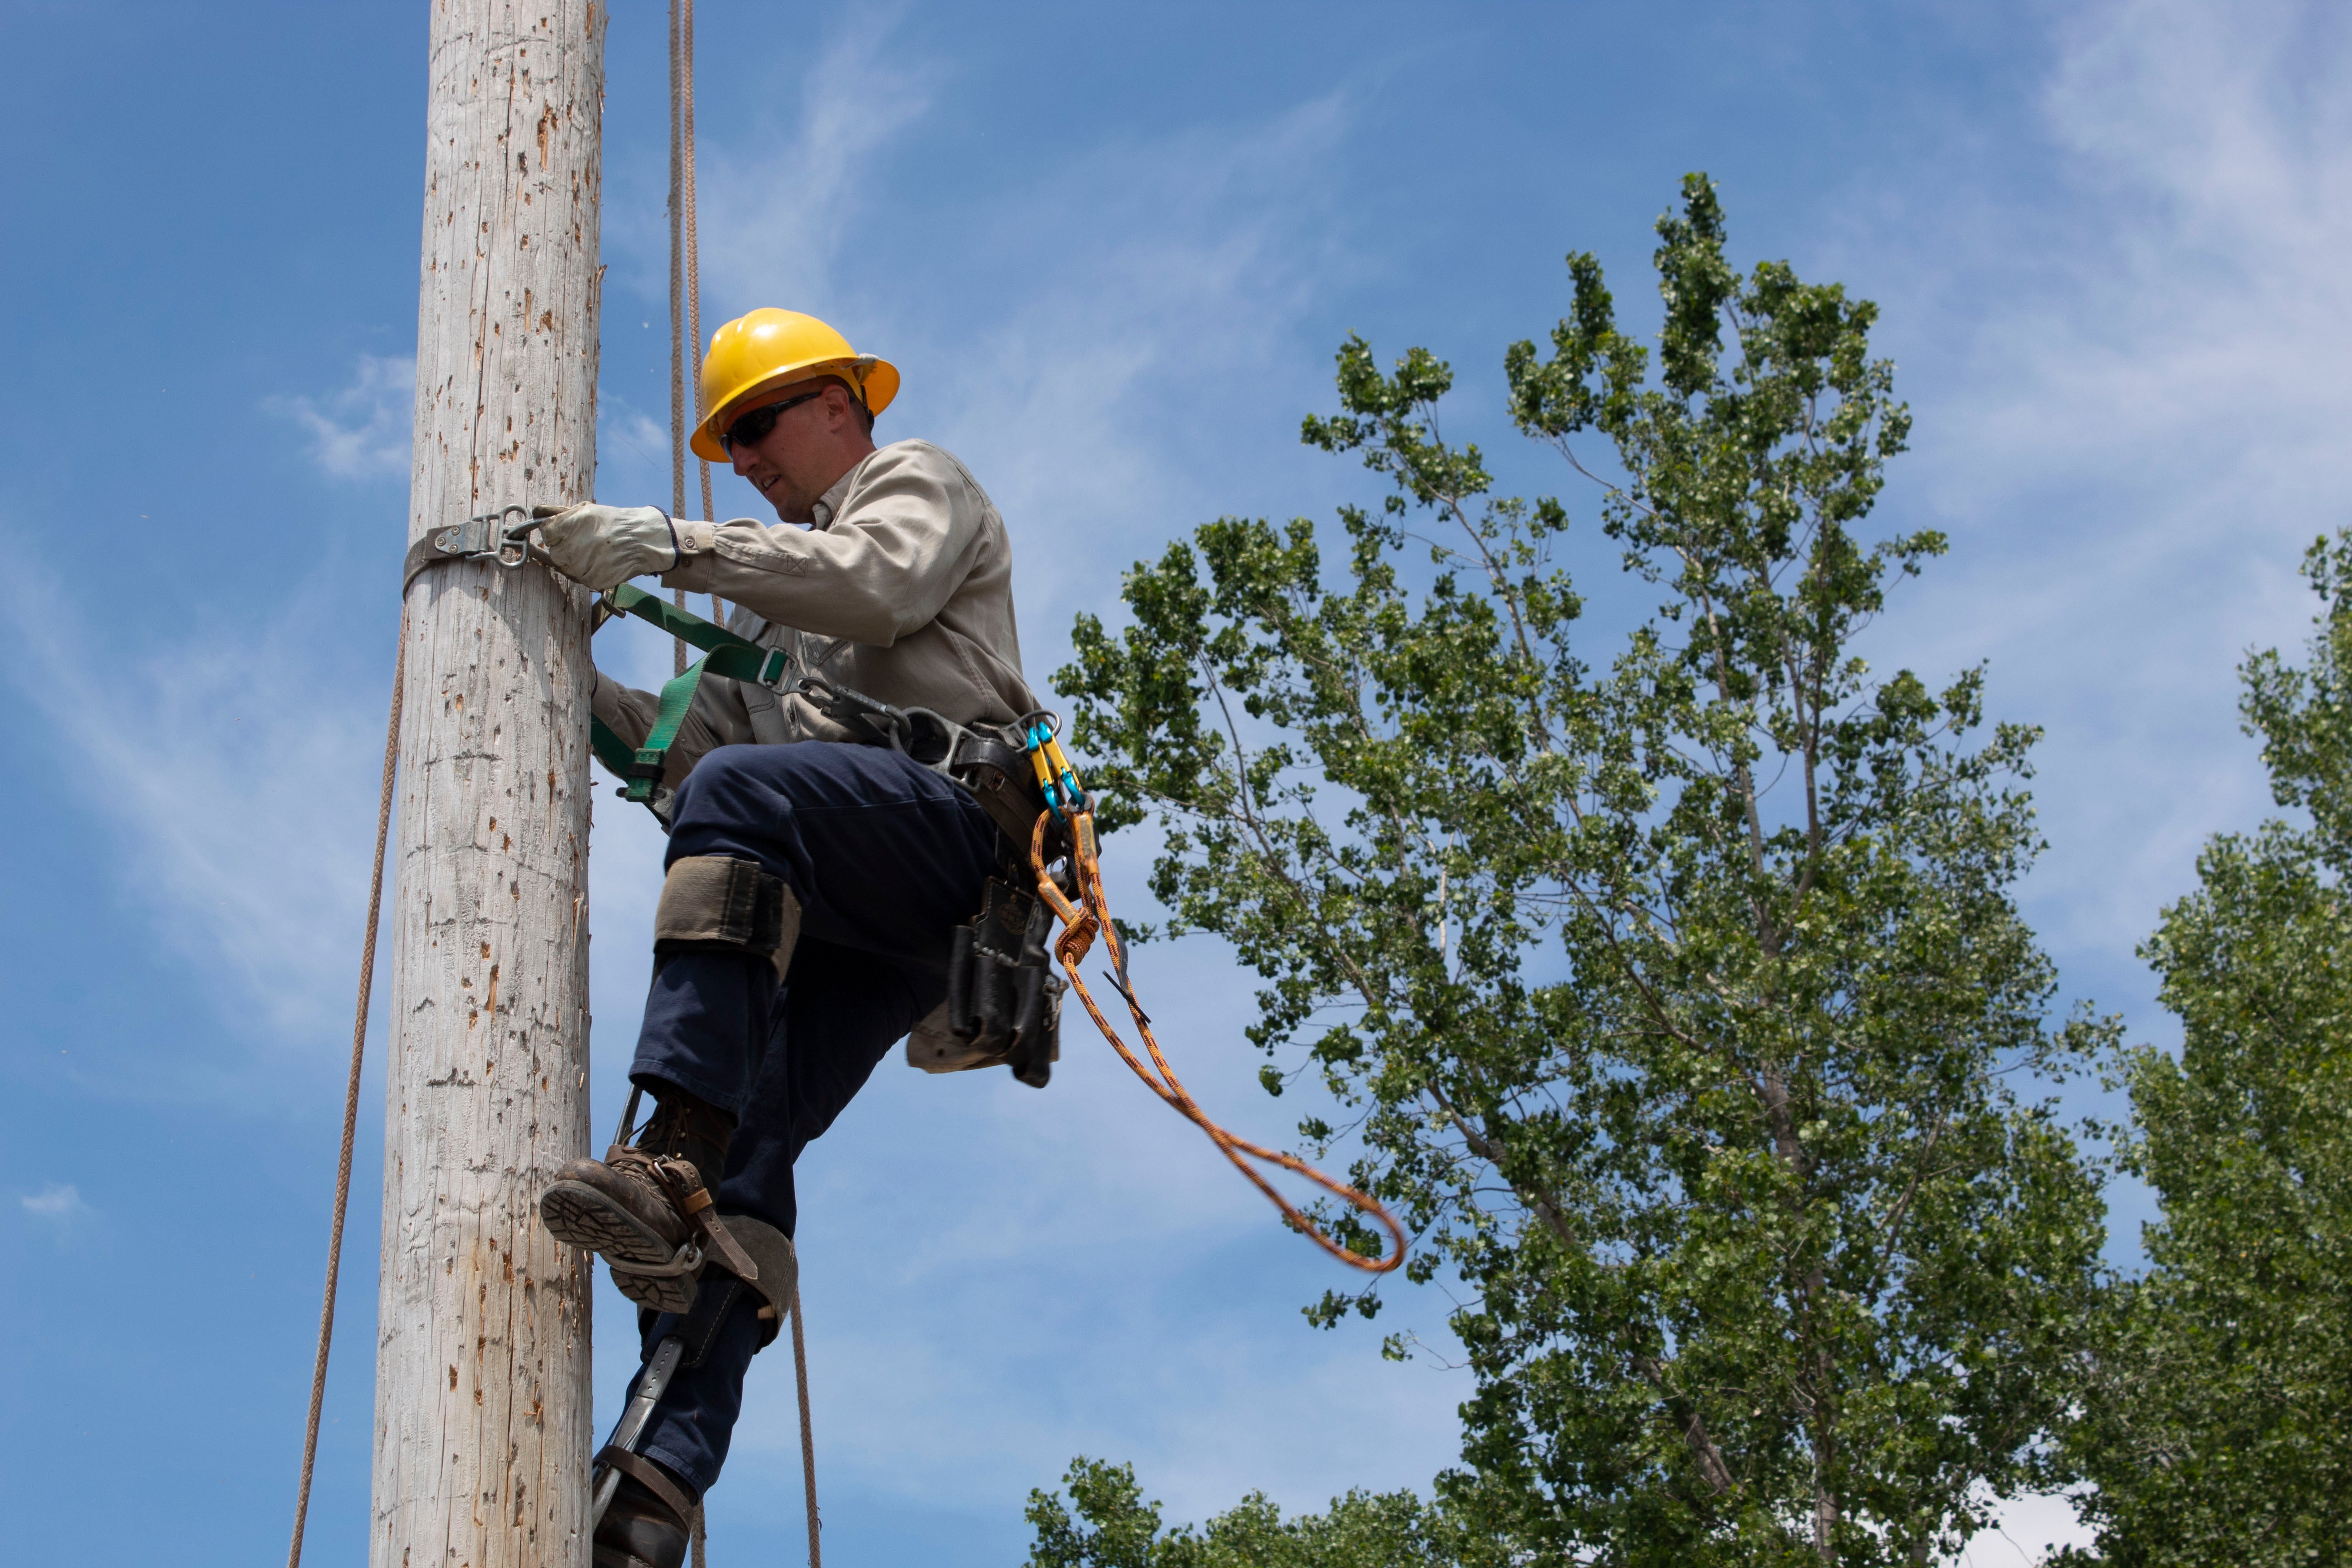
880	855
841	1012
880	859
853	844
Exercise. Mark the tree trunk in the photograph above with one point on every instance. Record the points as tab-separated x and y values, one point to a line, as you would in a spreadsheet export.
482	1422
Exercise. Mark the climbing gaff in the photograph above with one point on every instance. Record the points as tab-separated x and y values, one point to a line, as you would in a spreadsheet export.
631	1427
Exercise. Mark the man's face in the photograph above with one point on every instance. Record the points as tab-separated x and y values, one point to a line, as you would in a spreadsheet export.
812	444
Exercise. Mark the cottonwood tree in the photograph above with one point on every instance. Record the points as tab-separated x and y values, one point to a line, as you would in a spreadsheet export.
2215	1430
1681	1000
1107	1523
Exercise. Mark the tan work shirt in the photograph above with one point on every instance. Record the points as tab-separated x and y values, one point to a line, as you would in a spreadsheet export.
902	591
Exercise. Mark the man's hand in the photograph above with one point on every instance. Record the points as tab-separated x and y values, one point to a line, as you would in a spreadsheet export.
604	546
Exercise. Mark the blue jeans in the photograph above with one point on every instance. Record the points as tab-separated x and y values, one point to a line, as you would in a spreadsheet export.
886	857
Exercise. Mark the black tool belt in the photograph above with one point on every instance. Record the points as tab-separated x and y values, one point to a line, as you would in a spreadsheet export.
986	758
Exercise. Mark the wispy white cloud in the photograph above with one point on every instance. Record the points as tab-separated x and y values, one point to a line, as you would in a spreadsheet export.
2132	395
633	433
2189	344
780	206
58	1204
364	430
1101	401
240	791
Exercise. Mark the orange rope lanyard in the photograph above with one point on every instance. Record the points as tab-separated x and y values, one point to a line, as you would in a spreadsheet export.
1090	918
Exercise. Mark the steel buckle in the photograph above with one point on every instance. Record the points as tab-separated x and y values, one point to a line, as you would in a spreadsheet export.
932	739
489	537
839	704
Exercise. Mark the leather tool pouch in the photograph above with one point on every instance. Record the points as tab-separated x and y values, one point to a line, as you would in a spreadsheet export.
1004	1002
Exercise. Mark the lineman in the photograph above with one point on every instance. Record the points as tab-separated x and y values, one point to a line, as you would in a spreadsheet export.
812	884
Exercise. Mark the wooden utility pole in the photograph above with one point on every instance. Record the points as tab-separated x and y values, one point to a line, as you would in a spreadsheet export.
482	1403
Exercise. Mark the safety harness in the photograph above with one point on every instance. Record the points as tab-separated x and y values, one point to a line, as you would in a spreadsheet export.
990	766
1055	824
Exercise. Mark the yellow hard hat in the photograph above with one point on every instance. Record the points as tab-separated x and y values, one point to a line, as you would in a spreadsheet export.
771	348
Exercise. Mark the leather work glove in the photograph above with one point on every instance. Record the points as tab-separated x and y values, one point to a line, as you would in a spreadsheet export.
604	546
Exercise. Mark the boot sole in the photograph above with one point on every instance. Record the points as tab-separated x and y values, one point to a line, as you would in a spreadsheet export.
577	1214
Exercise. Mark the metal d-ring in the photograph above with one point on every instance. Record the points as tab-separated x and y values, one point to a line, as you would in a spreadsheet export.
516	539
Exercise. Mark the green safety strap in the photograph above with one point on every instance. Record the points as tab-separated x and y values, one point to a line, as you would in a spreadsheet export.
724	653
682	624
610	749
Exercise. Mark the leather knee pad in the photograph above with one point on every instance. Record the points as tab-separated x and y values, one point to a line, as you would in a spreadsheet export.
718	901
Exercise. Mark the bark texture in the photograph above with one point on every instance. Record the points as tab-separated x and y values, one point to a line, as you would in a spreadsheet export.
483	1412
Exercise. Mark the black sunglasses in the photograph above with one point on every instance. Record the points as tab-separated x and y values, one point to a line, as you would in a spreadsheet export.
753	428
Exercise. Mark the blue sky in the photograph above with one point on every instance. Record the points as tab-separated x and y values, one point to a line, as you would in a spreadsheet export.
1113	251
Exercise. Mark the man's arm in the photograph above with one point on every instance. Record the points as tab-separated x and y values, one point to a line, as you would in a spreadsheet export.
885	568
717	719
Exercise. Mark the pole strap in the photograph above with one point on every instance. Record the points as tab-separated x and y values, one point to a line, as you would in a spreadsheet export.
610	749
483	538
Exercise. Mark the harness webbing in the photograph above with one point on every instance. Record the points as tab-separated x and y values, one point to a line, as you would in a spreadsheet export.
610	749
724	653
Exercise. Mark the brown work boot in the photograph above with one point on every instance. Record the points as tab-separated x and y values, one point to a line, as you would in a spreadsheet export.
643	1207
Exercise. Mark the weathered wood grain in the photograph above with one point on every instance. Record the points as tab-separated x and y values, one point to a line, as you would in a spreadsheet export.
483	1411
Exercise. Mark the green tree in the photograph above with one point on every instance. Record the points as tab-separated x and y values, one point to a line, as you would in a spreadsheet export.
2216	1432
1113	1526
1681	1003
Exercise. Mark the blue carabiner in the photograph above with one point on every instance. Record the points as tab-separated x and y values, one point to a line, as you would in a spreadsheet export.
1055	777
1038	737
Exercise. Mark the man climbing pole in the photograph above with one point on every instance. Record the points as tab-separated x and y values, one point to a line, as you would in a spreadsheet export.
813	884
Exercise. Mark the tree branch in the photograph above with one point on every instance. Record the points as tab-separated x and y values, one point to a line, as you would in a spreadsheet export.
1686	1416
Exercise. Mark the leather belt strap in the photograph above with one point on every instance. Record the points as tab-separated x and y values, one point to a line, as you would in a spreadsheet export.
648	1475
482	538
1001	780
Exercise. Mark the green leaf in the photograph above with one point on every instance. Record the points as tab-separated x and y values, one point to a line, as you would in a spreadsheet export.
1678	989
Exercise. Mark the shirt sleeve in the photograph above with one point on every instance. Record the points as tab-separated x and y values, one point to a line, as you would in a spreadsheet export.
888	563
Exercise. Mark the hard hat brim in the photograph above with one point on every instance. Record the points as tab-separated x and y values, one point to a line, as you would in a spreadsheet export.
878	383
